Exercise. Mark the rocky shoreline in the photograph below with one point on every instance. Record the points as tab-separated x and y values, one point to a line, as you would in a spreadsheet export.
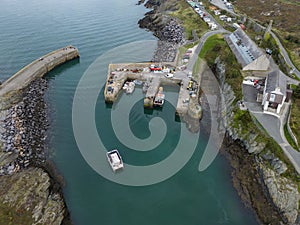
257	171
168	30
23	160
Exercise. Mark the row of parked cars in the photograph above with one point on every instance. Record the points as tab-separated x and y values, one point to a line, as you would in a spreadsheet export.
199	8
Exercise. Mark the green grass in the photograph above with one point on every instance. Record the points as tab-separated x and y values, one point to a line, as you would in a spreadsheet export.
291	43
216	46
11	216
289	138
190	19
295	118
210	43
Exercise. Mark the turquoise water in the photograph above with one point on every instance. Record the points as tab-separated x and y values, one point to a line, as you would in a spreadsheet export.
32	28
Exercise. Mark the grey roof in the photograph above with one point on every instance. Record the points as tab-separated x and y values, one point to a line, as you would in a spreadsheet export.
245	50
276	79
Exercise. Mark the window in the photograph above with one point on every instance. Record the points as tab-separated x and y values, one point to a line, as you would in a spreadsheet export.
272	97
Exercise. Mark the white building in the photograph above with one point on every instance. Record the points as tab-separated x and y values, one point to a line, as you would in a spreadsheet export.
275	92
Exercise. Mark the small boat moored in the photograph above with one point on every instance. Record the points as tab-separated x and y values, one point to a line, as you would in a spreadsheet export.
129	87
159	98
115	160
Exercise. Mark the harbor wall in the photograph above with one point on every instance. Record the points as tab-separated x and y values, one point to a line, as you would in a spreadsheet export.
10	89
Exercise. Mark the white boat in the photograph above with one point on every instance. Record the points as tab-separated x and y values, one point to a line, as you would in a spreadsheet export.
115	160
130	87
159	99
125	86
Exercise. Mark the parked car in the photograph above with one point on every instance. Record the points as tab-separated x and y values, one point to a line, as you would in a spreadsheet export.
206	19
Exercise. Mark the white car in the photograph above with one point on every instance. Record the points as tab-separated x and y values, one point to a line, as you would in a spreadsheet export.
248	82
206	19
222	17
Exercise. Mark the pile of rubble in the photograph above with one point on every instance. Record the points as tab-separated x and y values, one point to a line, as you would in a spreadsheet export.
172	32
171	36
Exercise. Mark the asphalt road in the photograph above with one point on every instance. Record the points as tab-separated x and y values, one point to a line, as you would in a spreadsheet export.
286	55
203	39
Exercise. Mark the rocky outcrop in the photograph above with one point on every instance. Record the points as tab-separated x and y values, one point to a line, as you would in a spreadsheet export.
280	191
29	191
167	29
283	193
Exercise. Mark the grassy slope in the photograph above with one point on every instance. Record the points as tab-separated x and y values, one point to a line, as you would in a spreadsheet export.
190	19
295	119
216	46
12	216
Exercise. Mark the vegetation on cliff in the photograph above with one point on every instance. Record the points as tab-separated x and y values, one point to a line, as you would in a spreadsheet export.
295	112
243	127
26	197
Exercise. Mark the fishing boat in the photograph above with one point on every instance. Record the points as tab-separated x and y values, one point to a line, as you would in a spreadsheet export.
115	160
159	99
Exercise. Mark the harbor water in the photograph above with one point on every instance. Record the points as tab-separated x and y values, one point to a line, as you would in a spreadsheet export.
109	30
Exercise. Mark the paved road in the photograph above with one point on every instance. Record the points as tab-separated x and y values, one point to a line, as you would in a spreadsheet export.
285	55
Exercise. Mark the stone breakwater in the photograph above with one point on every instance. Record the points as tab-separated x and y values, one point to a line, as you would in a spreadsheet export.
24	130
168	30
30	188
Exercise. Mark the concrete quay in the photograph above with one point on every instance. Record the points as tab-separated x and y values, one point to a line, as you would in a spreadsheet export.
118	74
36	69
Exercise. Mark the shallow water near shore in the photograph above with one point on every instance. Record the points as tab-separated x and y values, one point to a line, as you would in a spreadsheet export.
34	28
